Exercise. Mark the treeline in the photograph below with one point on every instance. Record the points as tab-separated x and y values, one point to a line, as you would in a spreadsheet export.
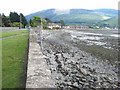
13	20
18	20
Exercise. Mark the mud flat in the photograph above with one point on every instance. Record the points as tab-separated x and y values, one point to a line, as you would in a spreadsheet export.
81	59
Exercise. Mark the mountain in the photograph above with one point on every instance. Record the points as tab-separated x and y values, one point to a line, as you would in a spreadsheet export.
108	12
76	16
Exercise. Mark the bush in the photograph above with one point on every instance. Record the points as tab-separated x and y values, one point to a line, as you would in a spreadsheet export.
16	24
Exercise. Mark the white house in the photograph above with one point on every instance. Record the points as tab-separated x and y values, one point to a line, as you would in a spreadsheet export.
54	25
76	27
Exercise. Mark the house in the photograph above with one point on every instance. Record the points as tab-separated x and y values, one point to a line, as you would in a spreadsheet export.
54	25
76	27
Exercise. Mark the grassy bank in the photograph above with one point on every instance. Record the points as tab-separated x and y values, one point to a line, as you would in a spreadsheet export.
14	53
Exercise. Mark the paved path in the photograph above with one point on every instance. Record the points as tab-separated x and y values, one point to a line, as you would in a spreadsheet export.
38	75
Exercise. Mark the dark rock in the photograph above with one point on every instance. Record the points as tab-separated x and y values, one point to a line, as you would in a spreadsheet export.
83	79
95	79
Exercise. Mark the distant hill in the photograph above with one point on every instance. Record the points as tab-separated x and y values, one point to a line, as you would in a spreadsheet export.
77	16
113	22
108	12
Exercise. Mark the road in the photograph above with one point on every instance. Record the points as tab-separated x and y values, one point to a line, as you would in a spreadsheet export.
82	58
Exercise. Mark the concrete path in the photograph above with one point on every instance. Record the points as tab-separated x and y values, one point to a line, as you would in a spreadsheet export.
38	75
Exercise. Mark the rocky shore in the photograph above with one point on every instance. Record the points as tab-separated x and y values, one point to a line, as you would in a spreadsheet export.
73	67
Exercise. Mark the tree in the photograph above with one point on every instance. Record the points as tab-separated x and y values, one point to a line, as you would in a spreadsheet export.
5	21
44	24
23	20
16	24
48	20
62	23
31	22
14	17
0	20
37	20
13	20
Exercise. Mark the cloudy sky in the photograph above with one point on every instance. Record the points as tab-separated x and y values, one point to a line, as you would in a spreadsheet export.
30	6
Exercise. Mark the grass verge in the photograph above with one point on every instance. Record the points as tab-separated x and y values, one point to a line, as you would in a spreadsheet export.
12	33
0	62
14	53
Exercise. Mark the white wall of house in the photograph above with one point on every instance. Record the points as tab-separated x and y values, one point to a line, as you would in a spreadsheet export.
53	25
76	27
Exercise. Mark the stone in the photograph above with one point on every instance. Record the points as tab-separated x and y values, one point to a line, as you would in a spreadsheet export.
95	79
88	78
69	83
75	84
74	72
83	80
83	71
58	78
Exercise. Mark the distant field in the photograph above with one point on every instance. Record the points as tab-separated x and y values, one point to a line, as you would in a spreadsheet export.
14	58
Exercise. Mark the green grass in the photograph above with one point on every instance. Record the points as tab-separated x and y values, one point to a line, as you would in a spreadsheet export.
0	62
14	52
12	33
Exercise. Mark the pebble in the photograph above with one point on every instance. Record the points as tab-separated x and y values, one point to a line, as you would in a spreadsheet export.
83	71
75	84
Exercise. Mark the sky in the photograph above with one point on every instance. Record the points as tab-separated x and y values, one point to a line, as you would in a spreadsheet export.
30	6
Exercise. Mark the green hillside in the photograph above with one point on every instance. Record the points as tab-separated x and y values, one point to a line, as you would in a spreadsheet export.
78	16
113	22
